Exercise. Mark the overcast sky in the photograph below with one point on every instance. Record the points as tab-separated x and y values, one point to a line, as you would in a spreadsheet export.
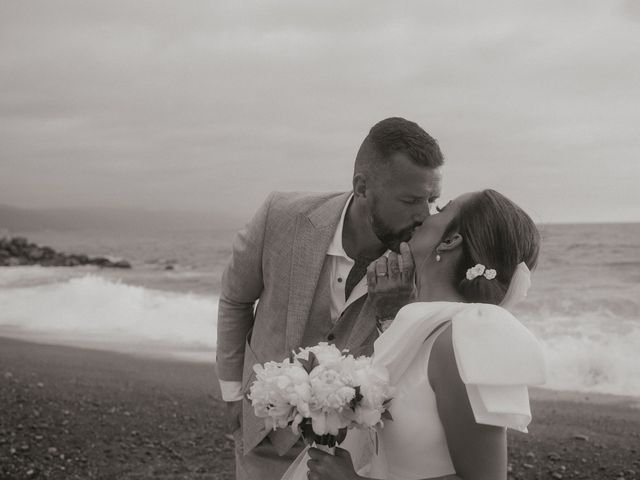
208	106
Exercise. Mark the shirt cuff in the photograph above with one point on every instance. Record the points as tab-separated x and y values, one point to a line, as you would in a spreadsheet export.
231	391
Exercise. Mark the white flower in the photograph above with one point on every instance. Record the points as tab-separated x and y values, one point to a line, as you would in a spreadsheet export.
331	388
279	392
475	271
373	382
328	422
325	353
490	274
320	387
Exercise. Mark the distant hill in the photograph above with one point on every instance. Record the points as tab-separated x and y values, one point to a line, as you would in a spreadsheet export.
16	219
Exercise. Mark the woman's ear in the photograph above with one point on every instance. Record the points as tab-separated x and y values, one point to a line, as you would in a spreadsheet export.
450	243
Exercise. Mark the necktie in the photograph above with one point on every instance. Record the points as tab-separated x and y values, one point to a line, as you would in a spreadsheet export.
356	273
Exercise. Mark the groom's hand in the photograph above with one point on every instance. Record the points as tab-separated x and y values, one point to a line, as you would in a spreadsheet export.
391	283
234	416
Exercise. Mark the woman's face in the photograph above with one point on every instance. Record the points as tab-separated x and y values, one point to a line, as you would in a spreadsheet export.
429	235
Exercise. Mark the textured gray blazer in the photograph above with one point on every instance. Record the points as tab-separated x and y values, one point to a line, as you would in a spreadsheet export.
277	260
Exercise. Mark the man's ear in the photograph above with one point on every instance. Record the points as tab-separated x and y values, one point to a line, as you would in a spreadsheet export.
450	243
360	185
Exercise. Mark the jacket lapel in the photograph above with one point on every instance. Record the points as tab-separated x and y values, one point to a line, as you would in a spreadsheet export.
364	324
314	233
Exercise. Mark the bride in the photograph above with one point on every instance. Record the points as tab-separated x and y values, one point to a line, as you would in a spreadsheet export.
460	364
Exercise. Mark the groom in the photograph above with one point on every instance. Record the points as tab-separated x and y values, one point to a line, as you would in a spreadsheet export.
303	258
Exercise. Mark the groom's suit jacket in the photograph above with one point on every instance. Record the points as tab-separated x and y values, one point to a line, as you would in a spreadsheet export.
279	260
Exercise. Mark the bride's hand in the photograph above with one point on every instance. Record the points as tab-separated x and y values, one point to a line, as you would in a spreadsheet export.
323	466
391	283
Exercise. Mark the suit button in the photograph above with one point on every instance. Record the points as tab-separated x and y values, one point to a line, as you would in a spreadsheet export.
330	337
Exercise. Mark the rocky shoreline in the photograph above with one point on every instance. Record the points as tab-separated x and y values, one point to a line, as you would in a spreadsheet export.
18	251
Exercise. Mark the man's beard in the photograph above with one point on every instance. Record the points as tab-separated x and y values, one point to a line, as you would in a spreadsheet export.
389	237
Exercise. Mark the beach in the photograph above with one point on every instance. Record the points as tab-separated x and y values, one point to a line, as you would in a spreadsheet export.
71	413
74	413
129	388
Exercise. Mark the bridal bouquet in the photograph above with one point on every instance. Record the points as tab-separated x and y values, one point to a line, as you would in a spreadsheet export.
321	392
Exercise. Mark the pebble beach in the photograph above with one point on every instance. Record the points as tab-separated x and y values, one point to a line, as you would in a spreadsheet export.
72	413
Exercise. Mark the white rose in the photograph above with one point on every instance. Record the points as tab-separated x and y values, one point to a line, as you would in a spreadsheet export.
475	271
490	274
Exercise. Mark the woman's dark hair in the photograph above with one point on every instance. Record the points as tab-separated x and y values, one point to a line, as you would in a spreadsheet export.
499	235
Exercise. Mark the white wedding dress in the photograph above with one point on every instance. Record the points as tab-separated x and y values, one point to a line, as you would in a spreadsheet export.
497	358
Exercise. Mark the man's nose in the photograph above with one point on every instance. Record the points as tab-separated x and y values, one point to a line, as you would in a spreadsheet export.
421	215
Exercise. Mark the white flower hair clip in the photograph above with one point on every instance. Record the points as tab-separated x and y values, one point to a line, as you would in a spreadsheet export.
481	270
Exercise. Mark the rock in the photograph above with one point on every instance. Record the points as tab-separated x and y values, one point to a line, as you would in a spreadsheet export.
52	450
530	455
528	466
40	385
20	242
71	262
582	438
556	475
35	253
82	259
58	261
8	375
553	456
169	267
18	251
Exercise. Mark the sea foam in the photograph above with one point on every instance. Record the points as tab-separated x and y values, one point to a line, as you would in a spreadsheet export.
589	347
92	310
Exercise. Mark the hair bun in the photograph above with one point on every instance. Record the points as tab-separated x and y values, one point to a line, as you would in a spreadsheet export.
480	289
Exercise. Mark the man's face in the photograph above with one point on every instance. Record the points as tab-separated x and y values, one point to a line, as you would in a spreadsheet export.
400	200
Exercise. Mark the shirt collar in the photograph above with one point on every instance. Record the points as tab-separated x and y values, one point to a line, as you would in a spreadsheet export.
335	247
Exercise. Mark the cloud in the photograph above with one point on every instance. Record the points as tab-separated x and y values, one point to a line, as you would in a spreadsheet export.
157	104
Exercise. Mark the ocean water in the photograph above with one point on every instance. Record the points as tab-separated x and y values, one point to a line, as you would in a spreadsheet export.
584	305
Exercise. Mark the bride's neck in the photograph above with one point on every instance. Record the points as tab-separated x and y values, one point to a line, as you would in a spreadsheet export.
437	283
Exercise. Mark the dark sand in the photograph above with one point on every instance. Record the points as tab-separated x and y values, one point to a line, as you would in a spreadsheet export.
72	413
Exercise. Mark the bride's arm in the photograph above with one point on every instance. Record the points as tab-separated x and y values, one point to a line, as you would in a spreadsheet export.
478	452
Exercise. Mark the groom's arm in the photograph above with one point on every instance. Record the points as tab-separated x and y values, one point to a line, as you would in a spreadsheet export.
242	285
